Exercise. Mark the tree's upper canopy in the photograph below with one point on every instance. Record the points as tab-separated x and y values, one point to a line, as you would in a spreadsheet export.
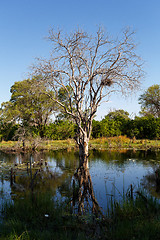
89	68
120	113
28	103
150	101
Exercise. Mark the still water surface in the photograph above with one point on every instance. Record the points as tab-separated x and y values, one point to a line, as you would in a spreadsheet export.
111	172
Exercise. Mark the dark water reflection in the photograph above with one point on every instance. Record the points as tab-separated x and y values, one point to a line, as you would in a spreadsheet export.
109	176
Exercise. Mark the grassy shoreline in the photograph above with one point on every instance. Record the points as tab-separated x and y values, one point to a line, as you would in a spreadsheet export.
111	143
40	218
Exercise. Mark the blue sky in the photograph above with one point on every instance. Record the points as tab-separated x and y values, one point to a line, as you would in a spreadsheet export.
25	23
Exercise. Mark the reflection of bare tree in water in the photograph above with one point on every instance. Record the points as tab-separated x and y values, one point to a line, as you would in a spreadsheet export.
85	195
33	173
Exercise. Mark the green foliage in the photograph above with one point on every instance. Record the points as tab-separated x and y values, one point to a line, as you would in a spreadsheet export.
7	131
112	125
136	218
30	105
38	216
96	129
144	127
60	130
117	124
120	113
150	101
65	96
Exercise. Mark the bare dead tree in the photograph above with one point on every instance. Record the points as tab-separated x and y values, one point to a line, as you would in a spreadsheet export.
85	191
89	68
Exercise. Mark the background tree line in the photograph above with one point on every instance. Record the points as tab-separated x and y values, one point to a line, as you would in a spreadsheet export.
146	127
29	113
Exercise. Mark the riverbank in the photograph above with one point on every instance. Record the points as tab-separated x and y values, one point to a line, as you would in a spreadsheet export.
122	142
111	143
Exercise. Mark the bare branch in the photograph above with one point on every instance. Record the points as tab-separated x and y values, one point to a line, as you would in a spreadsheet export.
93	67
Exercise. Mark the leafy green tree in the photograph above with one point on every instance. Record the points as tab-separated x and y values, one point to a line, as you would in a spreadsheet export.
96	129
120	113
113	124
7	130
27	106
150	101
110	127
146	127
63	97
60	130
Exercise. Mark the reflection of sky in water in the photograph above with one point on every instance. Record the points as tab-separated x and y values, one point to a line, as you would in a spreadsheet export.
111	179
5	195
54	168
5	190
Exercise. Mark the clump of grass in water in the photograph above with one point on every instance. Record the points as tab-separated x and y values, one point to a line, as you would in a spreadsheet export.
39	217
23	236
136	218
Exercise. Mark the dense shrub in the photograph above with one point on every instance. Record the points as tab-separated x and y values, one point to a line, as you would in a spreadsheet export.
147	127
60	130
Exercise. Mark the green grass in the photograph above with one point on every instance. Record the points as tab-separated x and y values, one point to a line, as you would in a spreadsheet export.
136	219
42	145
39	217
122	142
119	142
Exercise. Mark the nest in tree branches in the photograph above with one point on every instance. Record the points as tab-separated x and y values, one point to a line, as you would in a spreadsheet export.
106	82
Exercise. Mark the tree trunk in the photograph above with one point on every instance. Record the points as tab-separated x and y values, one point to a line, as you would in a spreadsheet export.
83	150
